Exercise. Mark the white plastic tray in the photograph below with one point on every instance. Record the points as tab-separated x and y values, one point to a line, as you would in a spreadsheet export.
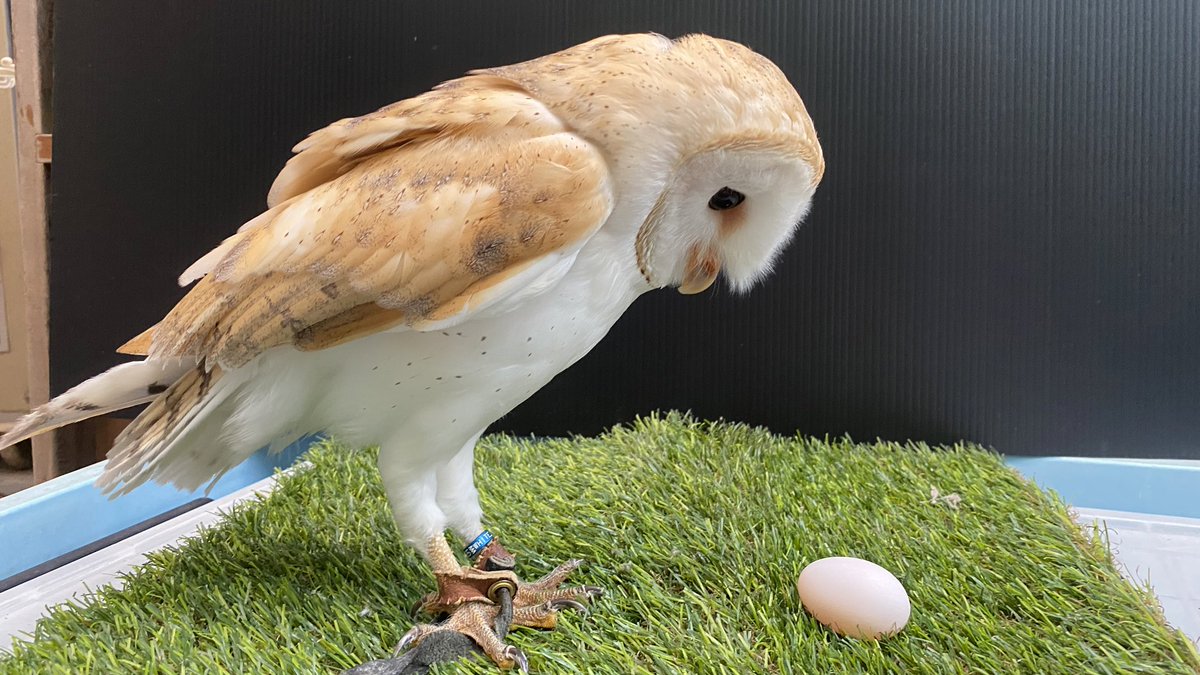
1163	551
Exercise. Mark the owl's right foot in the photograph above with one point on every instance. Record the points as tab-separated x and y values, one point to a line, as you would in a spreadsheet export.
476	621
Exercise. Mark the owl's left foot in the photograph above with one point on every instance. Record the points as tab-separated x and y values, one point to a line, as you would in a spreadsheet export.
538	602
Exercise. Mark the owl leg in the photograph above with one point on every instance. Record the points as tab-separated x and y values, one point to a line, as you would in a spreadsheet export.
536	603
459	499
467	594
456	493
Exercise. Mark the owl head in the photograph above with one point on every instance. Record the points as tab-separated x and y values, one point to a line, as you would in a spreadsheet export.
706	136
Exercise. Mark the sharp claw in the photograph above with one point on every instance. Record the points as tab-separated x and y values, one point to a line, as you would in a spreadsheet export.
593	591
573	604
518	657
409	638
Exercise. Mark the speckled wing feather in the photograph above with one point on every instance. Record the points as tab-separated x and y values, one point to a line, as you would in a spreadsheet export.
417	215
478	106
140	447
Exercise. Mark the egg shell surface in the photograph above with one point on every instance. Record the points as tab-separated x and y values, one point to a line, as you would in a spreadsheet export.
854	597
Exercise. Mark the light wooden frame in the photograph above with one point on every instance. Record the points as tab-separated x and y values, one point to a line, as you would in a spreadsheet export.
31	22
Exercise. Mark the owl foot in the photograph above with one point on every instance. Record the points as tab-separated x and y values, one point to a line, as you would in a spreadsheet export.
474	620
481	603
538	602
535	605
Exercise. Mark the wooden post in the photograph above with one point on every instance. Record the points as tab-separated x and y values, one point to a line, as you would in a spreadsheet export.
31	22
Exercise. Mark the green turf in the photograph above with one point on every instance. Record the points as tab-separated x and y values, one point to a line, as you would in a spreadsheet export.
697	530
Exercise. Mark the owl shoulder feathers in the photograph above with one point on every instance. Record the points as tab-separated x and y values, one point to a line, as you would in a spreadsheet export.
419	214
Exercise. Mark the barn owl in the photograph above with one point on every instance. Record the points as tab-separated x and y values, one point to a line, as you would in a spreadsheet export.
422	269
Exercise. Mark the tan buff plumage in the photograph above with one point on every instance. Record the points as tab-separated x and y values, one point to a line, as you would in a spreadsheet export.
149	436
409	215
600	77
415	214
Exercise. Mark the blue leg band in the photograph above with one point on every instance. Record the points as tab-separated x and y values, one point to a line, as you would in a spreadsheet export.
476	547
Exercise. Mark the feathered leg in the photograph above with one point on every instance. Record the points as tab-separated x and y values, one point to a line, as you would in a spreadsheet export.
537	602
427	502
462	591
456	493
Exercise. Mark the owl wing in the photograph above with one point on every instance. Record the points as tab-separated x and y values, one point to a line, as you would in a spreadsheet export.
419	215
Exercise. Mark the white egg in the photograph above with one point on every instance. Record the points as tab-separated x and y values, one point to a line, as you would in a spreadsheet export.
854	597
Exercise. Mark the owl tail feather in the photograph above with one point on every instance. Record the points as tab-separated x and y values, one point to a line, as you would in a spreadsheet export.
124	386
148	447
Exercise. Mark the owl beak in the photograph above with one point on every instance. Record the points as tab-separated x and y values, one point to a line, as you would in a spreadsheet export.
701	269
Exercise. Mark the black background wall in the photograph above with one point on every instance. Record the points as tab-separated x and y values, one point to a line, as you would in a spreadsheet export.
1004	248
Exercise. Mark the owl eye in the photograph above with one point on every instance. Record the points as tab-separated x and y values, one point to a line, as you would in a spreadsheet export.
725	198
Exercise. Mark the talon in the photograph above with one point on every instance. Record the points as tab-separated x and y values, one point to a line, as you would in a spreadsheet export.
538	603
479	602
410	638
567	602
517	657
485	605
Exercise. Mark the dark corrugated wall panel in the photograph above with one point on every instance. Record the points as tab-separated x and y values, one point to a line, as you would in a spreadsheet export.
1004	249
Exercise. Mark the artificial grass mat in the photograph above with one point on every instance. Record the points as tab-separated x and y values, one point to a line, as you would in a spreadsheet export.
698	532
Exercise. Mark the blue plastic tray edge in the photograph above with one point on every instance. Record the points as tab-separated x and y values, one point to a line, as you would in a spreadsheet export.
67	512
1137	486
